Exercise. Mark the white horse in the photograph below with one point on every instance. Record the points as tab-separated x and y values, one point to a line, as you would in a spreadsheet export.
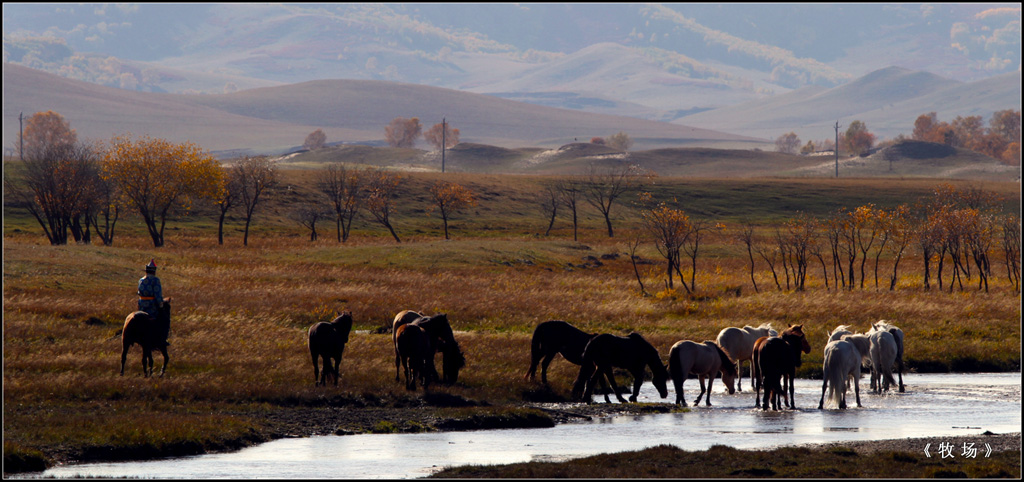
897	333
838	333
705	360
842	361
883	355
738	344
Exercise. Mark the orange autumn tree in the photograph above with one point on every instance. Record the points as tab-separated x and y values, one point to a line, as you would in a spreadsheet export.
442	133
670	229
402	132
450	198
158	178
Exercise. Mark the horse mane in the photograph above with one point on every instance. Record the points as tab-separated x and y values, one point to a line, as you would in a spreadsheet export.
727	364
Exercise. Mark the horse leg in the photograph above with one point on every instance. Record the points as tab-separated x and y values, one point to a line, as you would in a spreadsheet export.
638	379
316	368
739	376
899	369
856	391
680	399
711	381
544	367
124	355
824	385
163	351
700	378
792	397
147	362
337	369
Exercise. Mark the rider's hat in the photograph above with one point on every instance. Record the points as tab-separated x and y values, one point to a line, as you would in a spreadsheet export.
151	267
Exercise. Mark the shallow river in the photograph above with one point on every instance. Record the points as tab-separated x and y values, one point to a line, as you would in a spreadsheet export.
934	405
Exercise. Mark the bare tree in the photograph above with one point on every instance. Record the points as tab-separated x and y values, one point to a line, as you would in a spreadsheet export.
381	189
308	214
228	200
255	175
343	188
570	191
549	202
603	188
746	236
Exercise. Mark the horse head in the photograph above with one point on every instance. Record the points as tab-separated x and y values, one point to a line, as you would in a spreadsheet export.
454	361
728	369
658	370
798	331
343	325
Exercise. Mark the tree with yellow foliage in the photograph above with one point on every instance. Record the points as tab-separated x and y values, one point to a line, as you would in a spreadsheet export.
450	198
158	178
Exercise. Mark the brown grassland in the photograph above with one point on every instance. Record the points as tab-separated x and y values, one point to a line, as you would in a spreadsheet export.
239	370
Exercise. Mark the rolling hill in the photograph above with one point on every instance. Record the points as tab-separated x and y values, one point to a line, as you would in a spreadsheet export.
887	100
275	119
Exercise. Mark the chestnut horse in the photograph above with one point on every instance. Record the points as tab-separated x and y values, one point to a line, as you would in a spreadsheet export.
632	352
555	337
150	333
327	341
441	339
415	351
773	358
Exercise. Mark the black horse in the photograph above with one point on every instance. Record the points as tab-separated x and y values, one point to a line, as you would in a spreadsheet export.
327	341
150	333
551	338
632	353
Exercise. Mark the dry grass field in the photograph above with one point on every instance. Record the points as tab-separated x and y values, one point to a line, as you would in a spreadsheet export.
240	313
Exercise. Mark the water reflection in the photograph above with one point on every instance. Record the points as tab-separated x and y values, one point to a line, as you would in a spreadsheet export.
934	405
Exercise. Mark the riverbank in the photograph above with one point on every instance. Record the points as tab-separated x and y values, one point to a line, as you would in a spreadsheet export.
882	459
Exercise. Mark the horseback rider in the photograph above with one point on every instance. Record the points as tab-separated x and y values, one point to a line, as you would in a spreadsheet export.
151	298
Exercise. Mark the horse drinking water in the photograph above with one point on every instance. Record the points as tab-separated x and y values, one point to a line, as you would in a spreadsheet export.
327	341
632	353
705	360
441	339
555	337
150	333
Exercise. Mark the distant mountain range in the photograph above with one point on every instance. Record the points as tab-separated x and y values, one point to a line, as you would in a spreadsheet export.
752	70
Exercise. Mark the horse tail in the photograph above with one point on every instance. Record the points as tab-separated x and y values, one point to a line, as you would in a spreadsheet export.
899	347
836	379
675	365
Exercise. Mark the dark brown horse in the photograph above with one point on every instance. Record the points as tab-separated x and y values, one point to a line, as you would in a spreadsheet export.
327	341
441	339
416	354
551	338
774	358
150	333
632	353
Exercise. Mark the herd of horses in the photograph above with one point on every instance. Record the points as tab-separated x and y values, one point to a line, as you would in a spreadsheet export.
774	357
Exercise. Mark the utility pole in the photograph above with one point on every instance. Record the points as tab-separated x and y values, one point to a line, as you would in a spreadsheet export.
21	137
444	130
837	148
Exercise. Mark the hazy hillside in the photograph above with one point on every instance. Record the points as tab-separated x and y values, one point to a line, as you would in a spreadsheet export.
647	60
888	101
277	118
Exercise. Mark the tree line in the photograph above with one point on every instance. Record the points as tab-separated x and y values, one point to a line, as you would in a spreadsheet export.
74	190
1000	140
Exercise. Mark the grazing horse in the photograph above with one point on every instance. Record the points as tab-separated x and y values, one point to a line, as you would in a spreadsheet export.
897	334
842	361
738	343
150	333
441	339
551	338
773	358
327	341
416	353
632	353
703	359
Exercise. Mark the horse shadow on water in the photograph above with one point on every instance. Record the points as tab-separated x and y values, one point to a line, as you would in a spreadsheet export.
150	333
633	353
417	339
327	341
